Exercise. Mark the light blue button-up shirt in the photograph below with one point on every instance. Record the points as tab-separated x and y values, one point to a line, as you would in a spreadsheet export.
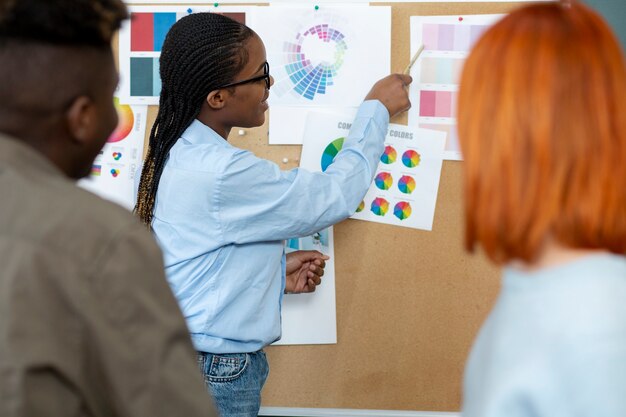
222	214
554	344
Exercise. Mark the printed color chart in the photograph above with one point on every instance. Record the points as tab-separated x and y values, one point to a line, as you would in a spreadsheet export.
148	30
389	155
447	41
144	77
411	158
438	103
451	37
380	206
330	151
402	210
406	184
141	41
324	57
309	79
452	142
404	187
125	124
113	171
383	180
441	70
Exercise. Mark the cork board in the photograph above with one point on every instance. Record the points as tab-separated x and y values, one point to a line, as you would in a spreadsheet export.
409	302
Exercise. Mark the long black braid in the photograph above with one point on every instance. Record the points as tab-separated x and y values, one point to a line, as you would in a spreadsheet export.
201	52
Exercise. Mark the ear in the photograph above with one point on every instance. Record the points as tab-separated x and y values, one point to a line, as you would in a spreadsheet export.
81	119
217	99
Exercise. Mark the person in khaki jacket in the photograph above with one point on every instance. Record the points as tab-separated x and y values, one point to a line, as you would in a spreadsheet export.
88	325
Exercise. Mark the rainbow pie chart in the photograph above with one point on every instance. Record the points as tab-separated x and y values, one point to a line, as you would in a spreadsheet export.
383	180
125	123
330	152
389	156
410	158
402	210
406	184
379	206
360	207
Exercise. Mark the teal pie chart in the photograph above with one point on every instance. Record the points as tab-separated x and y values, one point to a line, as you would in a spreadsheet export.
328	156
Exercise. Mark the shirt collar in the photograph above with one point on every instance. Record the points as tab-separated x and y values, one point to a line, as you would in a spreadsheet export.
199	133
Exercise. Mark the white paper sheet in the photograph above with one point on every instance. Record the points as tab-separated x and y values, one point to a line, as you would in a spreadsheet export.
311	318
287	122
113	172
447	41
404	191
324	57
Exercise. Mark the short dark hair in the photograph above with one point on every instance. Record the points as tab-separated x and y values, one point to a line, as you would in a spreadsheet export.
61	22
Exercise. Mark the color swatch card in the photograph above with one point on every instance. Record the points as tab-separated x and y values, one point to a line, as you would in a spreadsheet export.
404	190
447	41
329	57
140	42
113	172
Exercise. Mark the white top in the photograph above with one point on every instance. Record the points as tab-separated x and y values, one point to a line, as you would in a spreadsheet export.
554	344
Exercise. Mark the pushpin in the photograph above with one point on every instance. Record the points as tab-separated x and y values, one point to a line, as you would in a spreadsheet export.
216	4
189	10
285	160
317	7
241	132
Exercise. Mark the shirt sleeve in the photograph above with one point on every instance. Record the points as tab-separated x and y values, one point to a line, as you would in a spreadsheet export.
259	202
141	340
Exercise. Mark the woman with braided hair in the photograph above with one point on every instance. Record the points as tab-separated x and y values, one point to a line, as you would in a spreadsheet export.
221	215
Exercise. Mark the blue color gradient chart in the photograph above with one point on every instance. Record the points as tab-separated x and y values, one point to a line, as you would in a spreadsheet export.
308	78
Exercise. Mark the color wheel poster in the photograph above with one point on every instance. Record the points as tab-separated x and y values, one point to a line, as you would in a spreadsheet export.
311	318
326	57
140	42
404	190
113	172
447	41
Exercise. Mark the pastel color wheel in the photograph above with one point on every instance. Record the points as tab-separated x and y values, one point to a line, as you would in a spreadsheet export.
389	156
402	210
311	78
411	158
125	123
406	184
383	180
330	152
361	207
379	206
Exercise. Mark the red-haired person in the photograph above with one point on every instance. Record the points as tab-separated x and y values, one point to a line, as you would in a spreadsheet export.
542	126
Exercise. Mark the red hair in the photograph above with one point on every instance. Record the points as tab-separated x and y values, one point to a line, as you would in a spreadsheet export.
542	127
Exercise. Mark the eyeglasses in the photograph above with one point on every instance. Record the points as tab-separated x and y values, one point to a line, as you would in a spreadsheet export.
265	76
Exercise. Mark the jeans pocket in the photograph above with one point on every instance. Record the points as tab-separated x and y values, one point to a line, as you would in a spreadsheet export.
227	367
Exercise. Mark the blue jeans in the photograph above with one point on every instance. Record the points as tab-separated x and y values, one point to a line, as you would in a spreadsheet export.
235	381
